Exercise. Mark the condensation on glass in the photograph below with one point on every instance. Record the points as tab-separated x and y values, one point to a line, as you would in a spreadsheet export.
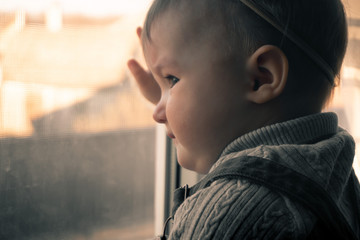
77	142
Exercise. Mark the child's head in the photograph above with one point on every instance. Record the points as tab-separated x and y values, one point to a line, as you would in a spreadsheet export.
224	70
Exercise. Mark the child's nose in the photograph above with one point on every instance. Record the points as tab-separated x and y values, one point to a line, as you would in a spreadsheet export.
159	114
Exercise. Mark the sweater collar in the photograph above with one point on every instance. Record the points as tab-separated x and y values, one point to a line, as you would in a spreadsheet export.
297	131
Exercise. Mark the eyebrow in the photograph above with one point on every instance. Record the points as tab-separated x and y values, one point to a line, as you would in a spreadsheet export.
164	62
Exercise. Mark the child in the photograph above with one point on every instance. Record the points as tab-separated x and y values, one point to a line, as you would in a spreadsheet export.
243	83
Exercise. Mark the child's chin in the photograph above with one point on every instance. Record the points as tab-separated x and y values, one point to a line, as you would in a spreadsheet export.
185	162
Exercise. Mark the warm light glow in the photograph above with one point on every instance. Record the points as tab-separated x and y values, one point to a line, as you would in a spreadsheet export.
14	121
356	166
87	7
54	18
19	20
59	68
351	73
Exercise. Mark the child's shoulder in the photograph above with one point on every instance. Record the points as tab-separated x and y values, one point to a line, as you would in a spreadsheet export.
232	208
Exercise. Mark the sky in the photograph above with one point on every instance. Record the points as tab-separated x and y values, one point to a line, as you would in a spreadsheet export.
86	7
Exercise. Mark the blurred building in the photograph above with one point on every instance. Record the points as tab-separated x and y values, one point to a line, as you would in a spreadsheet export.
55	65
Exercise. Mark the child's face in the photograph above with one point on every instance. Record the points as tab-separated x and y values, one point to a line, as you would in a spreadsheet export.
202	102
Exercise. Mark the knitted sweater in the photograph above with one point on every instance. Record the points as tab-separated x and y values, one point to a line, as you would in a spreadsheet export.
238	209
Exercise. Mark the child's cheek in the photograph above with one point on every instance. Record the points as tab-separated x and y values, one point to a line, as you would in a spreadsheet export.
179	117
175	113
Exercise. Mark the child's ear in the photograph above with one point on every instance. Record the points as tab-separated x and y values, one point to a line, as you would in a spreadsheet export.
268	71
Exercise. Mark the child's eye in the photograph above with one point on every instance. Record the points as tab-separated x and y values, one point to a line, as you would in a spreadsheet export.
172	80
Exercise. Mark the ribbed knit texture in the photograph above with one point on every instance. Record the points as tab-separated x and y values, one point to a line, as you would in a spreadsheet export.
237	209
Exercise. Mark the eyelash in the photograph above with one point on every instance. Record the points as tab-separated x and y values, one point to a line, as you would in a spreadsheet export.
172	80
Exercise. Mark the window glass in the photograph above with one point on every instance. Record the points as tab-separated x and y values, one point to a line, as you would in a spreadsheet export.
77	141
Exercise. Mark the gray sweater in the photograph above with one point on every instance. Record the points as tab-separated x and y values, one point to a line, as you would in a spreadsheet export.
237	209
